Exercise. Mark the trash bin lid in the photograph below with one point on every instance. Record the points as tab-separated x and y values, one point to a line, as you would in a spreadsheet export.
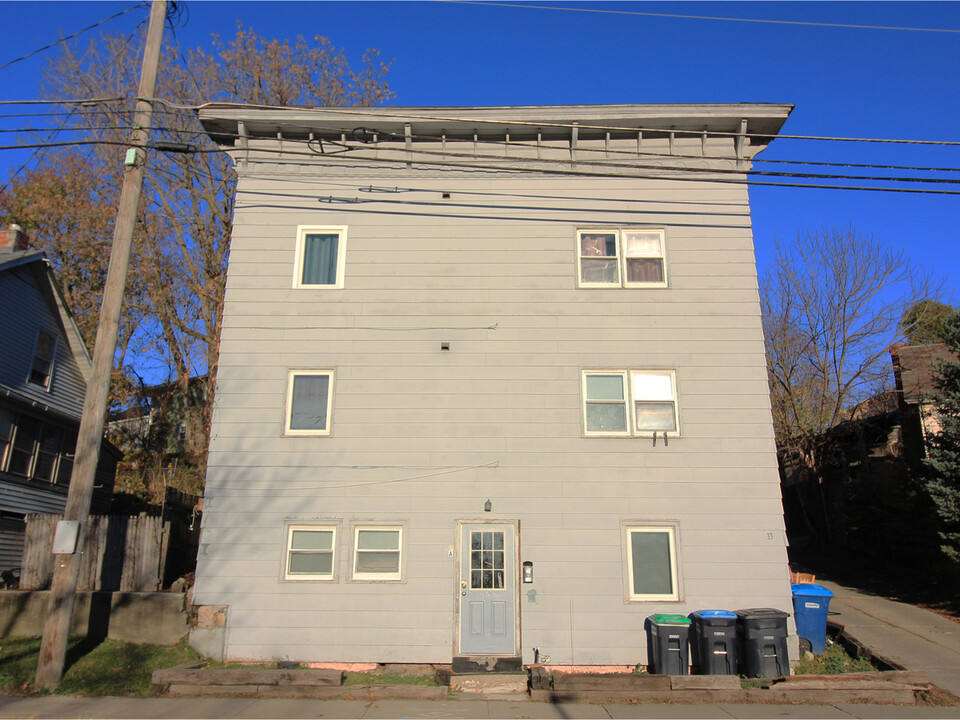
811	589
714	614
759	613
670	619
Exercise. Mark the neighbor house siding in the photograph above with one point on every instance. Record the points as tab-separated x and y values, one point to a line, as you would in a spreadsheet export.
25	307
498	416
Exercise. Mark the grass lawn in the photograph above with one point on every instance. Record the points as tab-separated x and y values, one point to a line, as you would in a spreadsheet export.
93	667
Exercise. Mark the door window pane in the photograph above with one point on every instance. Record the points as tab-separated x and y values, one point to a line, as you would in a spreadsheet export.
487	561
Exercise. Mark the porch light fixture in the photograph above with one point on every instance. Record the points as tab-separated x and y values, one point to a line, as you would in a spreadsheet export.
487	506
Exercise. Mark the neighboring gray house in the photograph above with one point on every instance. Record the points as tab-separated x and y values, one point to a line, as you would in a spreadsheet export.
491	381
43	372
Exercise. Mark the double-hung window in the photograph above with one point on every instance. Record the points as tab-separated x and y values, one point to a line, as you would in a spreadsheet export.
377	553
310	552
42	367
630	402
309	402
320	257
621	257
652	562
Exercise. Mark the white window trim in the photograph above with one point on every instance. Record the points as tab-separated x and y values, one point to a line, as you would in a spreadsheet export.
671	531
630	400
287	575
302	232
621	257
53	359
373	577
287	430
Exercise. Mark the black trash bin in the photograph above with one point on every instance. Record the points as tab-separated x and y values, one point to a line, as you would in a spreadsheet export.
713	645
762	634
669	635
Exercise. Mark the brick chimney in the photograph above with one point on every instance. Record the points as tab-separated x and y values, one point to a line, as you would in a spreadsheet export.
12	239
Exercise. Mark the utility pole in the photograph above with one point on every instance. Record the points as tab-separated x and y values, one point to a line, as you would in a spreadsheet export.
56	627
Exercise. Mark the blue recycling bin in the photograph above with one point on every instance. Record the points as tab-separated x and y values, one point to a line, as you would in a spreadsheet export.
810	606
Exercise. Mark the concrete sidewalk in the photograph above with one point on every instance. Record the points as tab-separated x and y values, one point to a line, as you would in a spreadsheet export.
914	638
72	707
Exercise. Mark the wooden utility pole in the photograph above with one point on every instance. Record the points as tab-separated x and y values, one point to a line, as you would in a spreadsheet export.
66	570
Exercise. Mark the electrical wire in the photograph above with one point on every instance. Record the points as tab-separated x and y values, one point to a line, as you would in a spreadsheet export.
70	37
700	17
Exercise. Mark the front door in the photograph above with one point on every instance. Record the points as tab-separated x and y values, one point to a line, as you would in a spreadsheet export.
488	586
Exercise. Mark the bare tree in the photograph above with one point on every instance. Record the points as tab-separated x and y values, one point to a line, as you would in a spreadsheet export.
189	196
832	303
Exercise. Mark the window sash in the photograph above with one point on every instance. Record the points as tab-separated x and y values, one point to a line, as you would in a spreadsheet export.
309	402
378	553
598	258
643	262
652	563
605	405
43	357
320	257
311	552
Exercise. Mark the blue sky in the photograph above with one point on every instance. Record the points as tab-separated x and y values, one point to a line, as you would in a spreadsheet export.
866	83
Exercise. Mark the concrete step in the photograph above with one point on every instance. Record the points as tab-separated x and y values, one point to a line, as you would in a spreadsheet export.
489	683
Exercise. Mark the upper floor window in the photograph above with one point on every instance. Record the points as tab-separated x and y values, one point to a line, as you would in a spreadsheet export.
621	258
320	257
43	356
630	402
309	402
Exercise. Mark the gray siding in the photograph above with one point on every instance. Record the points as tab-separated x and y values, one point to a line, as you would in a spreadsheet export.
24	307
425	437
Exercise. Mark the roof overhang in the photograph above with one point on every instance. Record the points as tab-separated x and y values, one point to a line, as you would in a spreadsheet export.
225	123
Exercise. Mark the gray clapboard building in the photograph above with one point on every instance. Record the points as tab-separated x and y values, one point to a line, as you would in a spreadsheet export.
491	381
44	368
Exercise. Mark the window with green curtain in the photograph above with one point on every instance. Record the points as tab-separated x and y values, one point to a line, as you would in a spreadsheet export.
320	259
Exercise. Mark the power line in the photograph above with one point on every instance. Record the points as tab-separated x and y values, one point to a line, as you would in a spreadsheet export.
70	37
701	17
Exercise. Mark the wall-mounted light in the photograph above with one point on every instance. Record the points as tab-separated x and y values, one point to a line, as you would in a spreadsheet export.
527	571
487	506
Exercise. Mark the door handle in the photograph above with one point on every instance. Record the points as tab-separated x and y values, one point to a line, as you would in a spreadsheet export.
463	583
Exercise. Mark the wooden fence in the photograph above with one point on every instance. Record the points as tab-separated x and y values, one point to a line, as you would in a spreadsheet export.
117	552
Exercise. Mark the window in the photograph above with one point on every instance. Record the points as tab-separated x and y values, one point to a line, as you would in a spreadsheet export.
621	258
43	359
310	552
651	396
320	257
34	449
309	402
652	563
377	553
